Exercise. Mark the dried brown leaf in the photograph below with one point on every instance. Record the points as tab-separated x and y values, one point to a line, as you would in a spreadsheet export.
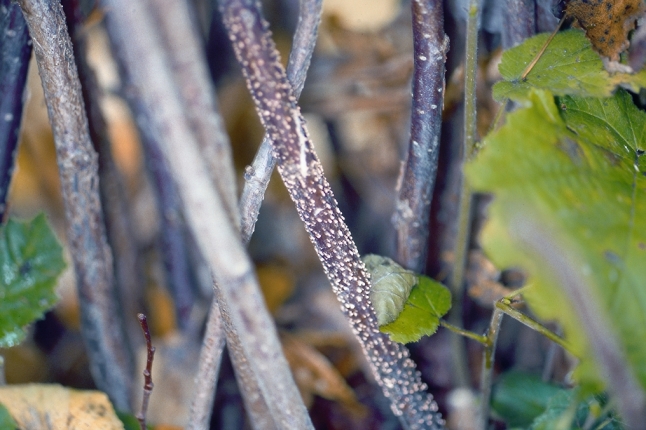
50	406
483	279
607	23
315	375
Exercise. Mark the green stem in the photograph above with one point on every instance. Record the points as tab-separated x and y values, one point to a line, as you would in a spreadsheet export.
486	377
470	73
504	306
466	333
461	372
461	369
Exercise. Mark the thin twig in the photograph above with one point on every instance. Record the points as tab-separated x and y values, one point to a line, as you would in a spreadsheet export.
257	176
78	168
417	179
538	56
206	213
3	379
303	176
148	380
462	332
505	307
15	52
464	209
470	78
486	377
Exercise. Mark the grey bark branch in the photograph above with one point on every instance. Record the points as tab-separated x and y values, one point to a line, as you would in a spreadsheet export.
185	51
257	177
302	174
217	238
78	170
417	179
119	231
250	201
182	44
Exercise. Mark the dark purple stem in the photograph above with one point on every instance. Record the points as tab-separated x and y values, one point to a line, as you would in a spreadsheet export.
417	181
257	177
15	49
519	22
173	228
148	380
303	176
115	206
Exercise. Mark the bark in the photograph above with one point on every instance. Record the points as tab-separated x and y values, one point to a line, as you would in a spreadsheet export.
206	211
15	53
110	365
417	180
303	176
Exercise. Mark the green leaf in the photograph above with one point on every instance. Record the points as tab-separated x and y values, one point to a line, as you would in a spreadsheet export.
578	174
130	422
30	260
6	420
428	302
567	411
518	398
569	66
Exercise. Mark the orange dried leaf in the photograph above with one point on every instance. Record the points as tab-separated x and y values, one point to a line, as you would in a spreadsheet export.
51	406
315	375
607	22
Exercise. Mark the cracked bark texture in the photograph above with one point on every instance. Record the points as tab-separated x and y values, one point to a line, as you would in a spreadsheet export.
303	176
417	180
15	52
206	211
78	169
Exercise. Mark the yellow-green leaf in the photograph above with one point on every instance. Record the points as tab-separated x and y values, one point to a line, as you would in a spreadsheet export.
569	66
576	168
428	302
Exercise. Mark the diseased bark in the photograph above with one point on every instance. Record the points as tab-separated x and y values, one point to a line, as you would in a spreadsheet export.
256	181
417	180
303	176
15	52
206	213
78	169
257	176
